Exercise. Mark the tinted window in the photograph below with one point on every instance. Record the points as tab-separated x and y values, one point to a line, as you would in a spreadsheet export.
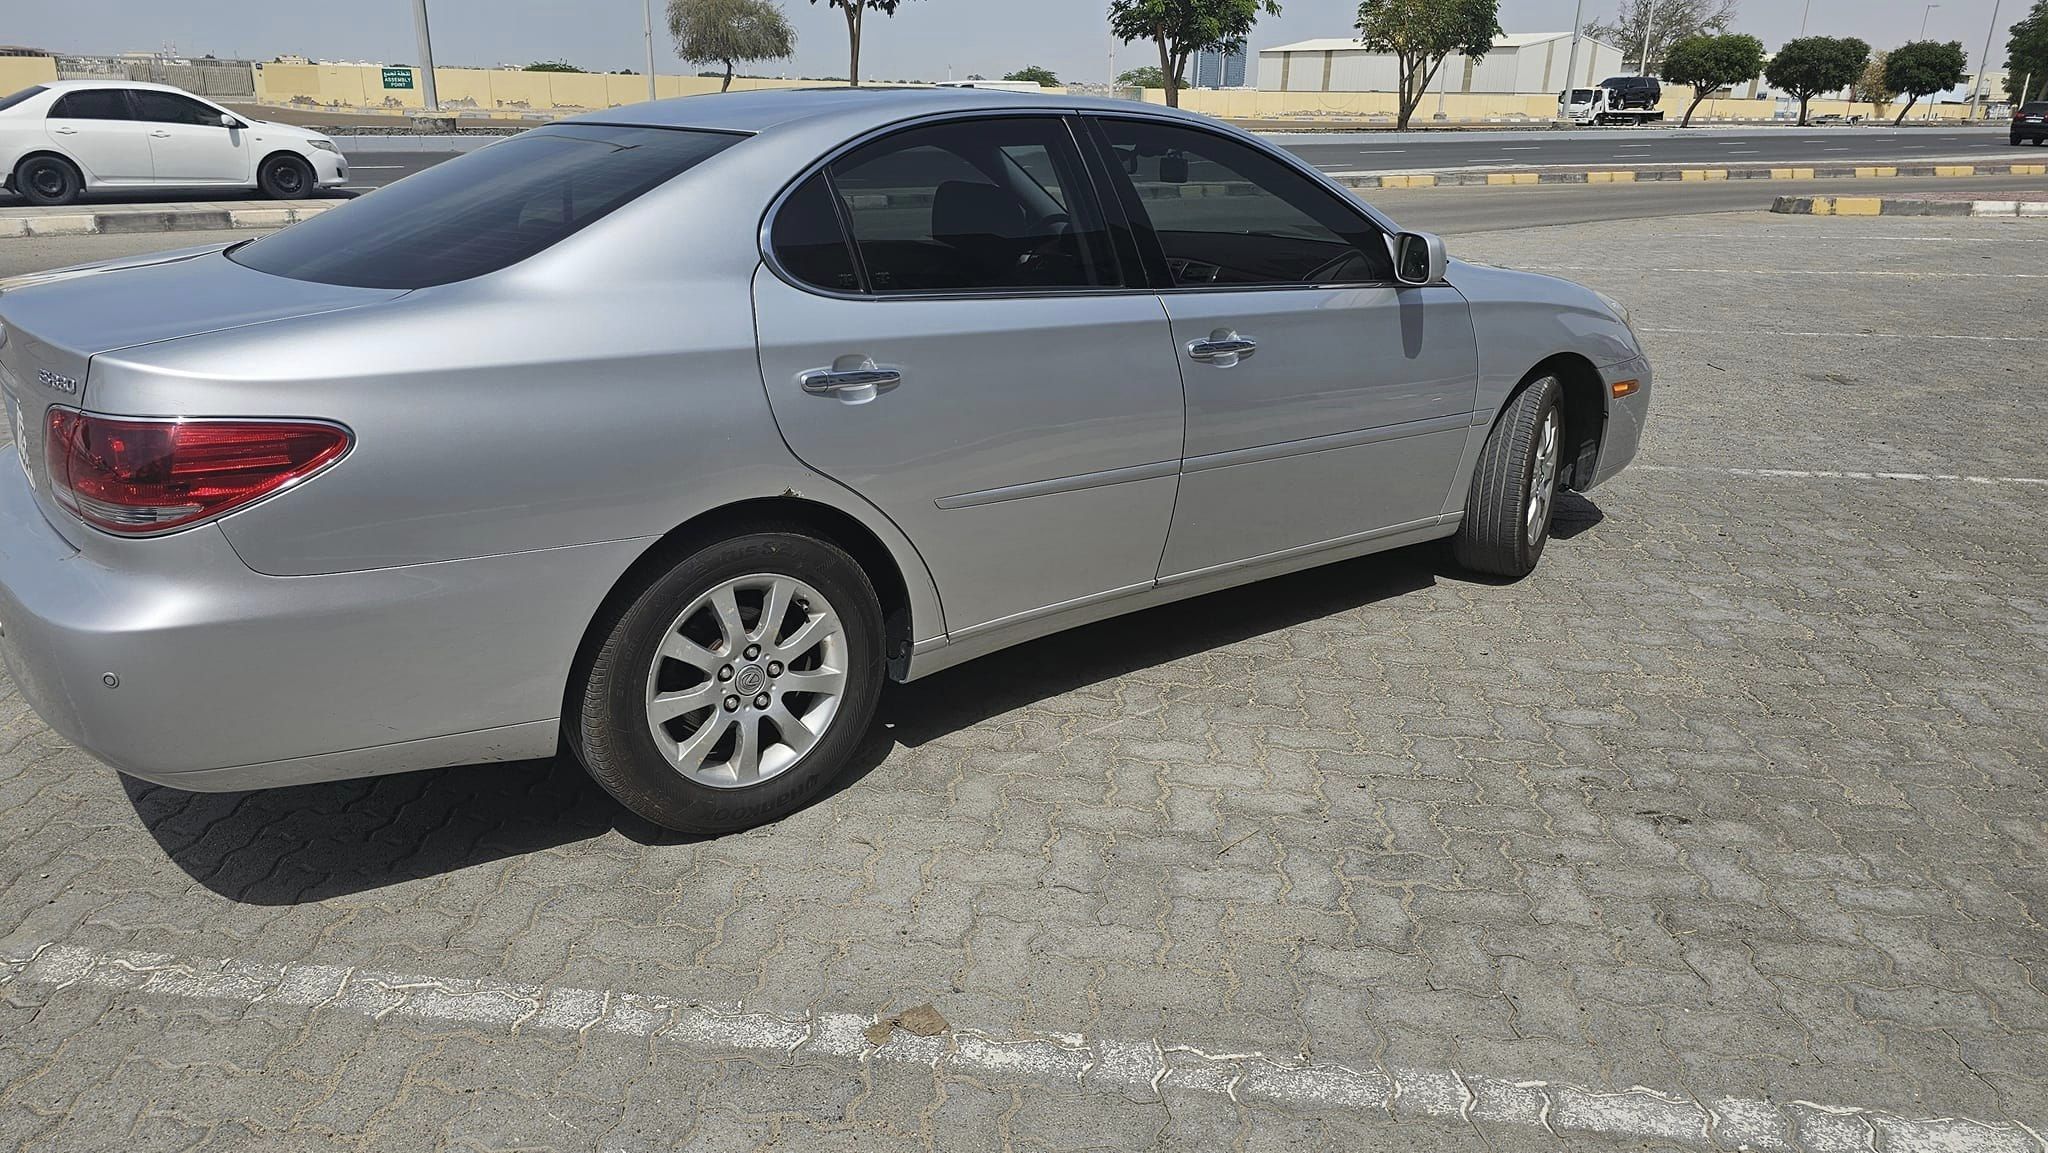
808	242
91	104
483	211
2035	108
975	206
1228	214
7	102
171	108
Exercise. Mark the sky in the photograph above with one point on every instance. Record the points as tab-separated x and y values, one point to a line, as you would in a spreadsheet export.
926	40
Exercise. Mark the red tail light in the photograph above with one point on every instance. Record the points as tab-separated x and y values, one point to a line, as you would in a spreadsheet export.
138	477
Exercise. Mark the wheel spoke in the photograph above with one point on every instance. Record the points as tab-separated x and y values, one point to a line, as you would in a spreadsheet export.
808	634
664	707
727	609
677	647
794	732
691	753
746	749
830	682
774	606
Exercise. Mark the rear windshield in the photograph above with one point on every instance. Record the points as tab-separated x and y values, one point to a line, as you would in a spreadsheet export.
484	211
7	102
2035	109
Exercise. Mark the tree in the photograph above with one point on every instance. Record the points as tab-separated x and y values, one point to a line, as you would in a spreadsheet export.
2026	54
1182	28
551	66
854	10
1147	77
1665	22
1871	88
1812	65
729	32
1924	68
1711	63
1042	77
1419	34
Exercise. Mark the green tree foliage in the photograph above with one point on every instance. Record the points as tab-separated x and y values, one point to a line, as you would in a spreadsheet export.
854	11
1147	77
1182	28
1419	34
1924	68
1711	63
2026	54
729	32
1812	65
1042	77
551	66
1665	22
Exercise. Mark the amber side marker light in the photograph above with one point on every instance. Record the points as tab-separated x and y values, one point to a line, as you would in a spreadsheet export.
1627	388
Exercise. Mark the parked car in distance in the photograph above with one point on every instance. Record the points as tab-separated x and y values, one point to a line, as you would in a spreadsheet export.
2030	122
70	138
669	433
1634	92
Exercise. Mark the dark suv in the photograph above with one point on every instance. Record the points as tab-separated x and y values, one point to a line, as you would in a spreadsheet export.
1634	91
2030	122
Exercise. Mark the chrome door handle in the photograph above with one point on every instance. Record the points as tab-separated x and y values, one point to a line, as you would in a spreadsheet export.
1223	348
65	131
160	134
855	385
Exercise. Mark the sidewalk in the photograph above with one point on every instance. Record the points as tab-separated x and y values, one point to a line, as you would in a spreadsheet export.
183	216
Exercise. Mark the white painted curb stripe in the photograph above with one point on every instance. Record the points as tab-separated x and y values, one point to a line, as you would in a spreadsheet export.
1102	1064
1844	335
1846	474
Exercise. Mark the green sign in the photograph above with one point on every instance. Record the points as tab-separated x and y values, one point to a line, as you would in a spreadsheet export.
398	78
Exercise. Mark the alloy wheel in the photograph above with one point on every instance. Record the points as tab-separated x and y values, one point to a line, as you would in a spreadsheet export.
1543	477
747	680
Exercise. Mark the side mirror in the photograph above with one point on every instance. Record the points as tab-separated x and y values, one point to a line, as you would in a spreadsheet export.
227	121
1420	259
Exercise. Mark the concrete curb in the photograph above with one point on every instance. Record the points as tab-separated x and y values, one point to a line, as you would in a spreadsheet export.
1901	206
1464	178
22	223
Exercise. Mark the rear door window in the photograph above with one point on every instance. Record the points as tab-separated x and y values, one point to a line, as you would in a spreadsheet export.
483	211
92	104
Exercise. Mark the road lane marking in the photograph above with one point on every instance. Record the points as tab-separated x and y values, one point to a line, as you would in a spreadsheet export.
1748	332
1140	1070
1849	474
1796	272
1384	152
375	167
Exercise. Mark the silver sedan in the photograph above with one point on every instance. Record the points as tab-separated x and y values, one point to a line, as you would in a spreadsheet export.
668	434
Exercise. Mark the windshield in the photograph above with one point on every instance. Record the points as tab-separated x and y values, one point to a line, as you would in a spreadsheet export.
7	102
1581	96
483	211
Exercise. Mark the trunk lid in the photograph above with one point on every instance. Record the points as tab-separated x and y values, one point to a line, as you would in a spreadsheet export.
54	323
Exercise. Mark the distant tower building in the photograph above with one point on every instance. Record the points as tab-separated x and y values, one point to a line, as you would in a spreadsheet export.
1215	69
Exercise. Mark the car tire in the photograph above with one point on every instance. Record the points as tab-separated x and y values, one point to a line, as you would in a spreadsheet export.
693	657
47	180
285	177
1514	486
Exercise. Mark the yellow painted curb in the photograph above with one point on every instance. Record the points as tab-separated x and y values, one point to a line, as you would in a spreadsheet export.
1955	170
1704	174
1511	178
1791	174
2030	170
1610	178
1426	181
1851	206
1866	173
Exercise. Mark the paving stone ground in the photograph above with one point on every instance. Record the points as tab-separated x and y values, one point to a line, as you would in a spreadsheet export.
1739	799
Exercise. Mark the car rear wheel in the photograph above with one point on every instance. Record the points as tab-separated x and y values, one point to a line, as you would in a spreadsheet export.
47	180
735	686
1514	488
286	178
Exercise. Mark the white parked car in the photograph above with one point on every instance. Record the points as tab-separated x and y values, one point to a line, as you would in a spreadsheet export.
61	140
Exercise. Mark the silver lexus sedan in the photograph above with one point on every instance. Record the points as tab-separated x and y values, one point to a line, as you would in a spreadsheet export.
667	434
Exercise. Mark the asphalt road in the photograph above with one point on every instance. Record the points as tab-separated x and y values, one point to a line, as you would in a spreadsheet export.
1438	151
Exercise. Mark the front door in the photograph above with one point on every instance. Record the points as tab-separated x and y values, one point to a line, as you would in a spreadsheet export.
95	127
973	364
188	143
1325	403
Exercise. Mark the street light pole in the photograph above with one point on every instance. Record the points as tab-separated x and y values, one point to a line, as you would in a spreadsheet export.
1649	24
1803	14
1984	61
419	26
647	9
1923	19
1571	67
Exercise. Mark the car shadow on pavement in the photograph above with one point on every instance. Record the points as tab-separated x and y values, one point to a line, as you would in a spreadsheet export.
311	842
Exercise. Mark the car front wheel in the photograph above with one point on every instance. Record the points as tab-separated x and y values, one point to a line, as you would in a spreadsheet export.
286	178
1514	487
735	686
47	180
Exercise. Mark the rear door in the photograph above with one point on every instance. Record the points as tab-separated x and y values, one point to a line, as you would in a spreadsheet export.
1325	403
96	128
187	143
979	362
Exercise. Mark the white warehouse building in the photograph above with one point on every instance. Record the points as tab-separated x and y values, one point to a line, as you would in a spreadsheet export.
1525	64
